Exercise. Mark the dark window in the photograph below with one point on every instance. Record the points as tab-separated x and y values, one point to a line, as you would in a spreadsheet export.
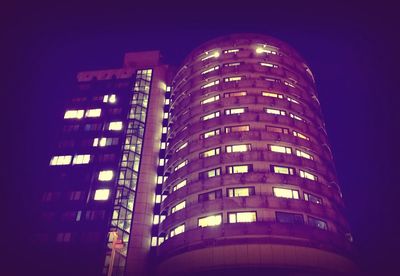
289	218
210	195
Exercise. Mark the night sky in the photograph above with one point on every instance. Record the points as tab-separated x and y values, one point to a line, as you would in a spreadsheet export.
349	47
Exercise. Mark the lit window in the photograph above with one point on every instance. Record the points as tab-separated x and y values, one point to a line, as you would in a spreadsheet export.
210	99
267	49
312	198
159	179
232	79
317	223
74	114
115	126
210	84
209	153
238	148
241	191
272	95
210	173
179	185
91	113
235	94
181	165
286	193
164	130
109	98
280	149
210	116
231	51
269	65
178	207
302	136
60	160
237	128
210	55
289	84
210	70
153	241
307	175
81	159
177	230
304	154
213	195
166	115
296	117
209	134
167	101
242	217
275	111
157	198
213	220
106	175
282	170
277	129
292	100
238	169
283	217
232	64
233	111
181	147
161	162
102	194
168	88
163	145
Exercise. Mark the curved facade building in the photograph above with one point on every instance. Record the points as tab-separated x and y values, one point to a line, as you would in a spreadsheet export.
251	181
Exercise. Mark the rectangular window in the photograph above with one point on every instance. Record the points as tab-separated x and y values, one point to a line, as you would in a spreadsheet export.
289	218
312	198
231	51
229	79
304	154
60	160
213	220
272	95
213	195
233	111
63	237
116	126
280	149
210	116
101	194
74	114
179	185
75	195
181	165
239	169
109	98
209	55
178	207
237	128
210	70
271	79
81	159
235	94
210	173
266	49
103	142
289	84
210	99
282	170
240	191
307	175
302	136
233	64
209	134
210	84
274	111
177	230
292	100
209	153
181	147
238	148
317	223
296	117
286	193
268	65
92	113
106	175
277	129
242	217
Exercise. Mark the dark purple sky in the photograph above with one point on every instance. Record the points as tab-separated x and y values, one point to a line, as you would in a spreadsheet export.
349	47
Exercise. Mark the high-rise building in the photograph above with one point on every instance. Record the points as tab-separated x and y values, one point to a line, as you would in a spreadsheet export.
221	165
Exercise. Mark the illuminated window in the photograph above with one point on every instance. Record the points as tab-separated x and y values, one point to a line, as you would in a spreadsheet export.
81	159
209	153
317	223
232	64
102	194
166	115
237	78
239	169
103	142
92	113
242	217
296	117
167	101
238	148
289	84
304	154
181	165
280	149
240	191
286	193
233	111
153	241
307	175
109	98
158	199
292	100
302	136
106	175
210	70
209	134
213	220
271	65
210	116
237	128
235	94
209	55
292	218
168	88
177	230
74	114
181	147
164	130
60	160
231	51
115	126
179	185
210	99
266	49
275	111
210	173
213	195
277	129
272	95
282	170
163	145
178	207
312	198
210	84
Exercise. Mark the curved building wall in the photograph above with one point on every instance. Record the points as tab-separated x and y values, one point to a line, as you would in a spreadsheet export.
251	180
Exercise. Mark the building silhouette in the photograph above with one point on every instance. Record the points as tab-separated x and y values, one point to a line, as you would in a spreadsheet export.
222	165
